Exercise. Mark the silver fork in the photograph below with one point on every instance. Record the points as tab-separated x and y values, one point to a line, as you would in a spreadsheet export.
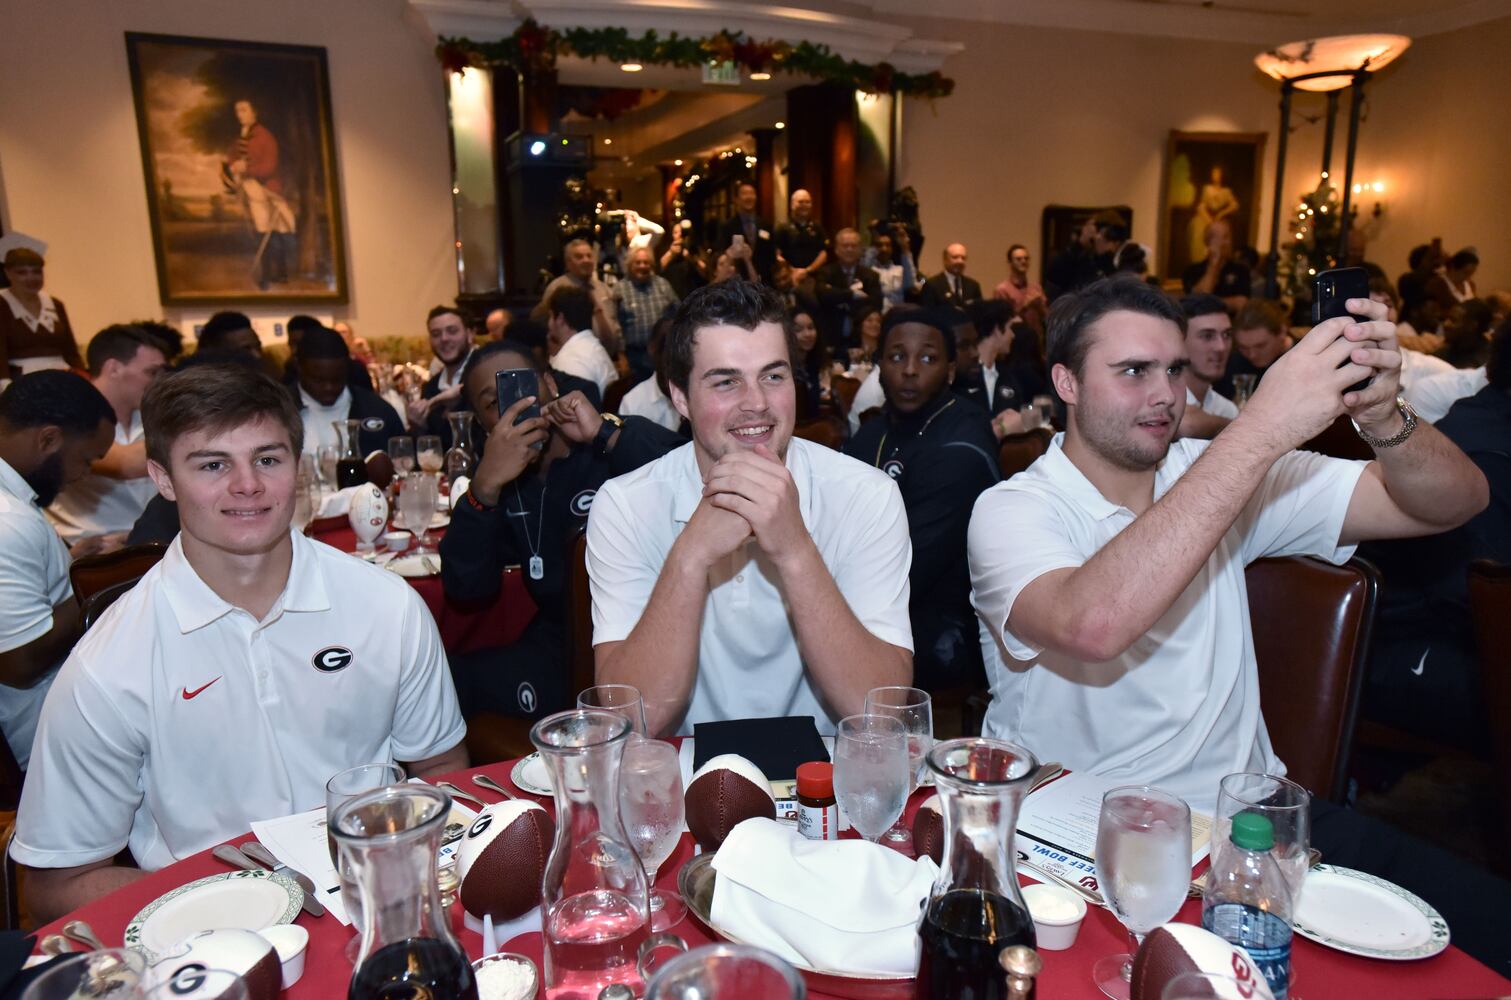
483	781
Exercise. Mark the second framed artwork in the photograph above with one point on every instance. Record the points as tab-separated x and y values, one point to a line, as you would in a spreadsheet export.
239	153
1209	177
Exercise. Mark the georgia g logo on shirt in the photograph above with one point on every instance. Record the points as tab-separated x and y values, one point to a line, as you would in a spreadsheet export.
583	502
331	659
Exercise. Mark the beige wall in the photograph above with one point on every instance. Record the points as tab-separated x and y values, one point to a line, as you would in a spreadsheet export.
72	169
1044	116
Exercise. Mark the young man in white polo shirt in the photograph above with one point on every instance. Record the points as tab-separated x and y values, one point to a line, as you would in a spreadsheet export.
1209	342
747	574
95	513
1109	575
53	426
238	676
575	348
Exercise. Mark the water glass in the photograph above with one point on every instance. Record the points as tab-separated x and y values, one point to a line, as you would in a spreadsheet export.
1030	417
1046	407
197	983
623	699
305	501
651	807
347	785
1143	870
401	453
417	499
725	970
113	972
1285	804
328	456
915	710
1243	388
430	454
871	772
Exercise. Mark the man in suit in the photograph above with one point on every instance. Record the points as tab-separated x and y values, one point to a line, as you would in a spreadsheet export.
753	231
842	287
951	287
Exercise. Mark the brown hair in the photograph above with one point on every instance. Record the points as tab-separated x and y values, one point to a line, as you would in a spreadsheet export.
214	398
1262	313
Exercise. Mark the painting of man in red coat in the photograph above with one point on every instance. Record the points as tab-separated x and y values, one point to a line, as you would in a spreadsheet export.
253	169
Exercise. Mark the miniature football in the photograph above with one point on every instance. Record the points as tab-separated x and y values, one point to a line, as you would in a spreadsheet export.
928	830
726	791
502	859
1175	948
368	514
246	953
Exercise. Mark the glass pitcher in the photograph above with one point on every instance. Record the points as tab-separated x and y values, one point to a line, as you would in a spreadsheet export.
460	459
388	840
351	470
595	902
975	909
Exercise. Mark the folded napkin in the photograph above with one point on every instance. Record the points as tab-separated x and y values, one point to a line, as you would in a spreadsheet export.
336	504
845	906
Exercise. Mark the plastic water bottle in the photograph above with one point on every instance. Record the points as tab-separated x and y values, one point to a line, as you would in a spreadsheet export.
1247	902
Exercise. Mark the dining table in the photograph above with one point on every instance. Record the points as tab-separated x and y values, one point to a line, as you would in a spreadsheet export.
1319	972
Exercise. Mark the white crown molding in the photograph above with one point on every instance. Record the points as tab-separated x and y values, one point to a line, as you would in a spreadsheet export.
480	20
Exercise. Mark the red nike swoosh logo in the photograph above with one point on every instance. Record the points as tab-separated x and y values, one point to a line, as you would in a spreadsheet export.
188	695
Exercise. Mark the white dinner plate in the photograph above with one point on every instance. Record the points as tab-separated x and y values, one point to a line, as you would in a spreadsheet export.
414	565
439	519
1358	913
532	775
249	901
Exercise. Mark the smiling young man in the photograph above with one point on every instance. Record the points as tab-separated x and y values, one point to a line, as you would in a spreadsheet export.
238	675
451	341
1109	575
748	573
940	450
1209	342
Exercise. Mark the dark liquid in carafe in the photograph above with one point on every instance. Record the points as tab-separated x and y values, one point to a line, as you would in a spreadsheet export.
350	472
416	969
964	932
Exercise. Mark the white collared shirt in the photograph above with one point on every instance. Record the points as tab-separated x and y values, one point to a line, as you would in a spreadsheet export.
319	420
1214	403
47	311
179	719
583	355
748	660
1180	708
647	400
33	578
100	505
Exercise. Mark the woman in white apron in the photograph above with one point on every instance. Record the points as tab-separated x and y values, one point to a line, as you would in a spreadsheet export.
34	329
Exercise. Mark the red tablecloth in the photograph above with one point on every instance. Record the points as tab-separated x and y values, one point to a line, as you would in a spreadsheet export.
1322	974
464	627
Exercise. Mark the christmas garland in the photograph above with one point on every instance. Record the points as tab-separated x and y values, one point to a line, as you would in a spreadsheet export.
535	48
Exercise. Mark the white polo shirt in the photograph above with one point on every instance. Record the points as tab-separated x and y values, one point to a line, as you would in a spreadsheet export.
33	578
583	355
1433	396
1180	707
102	505
647	400
179	719
1215	403
748	660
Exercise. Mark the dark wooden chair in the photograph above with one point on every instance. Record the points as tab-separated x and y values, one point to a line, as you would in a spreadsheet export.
825	431
614	394
1340	440
1490	606
93	574
1312	622
101	600
1018	451
843	388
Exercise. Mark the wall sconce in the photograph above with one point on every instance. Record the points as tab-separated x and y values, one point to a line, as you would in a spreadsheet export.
1376	188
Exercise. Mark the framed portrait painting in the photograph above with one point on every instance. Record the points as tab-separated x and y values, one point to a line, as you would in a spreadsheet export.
240	161
1210	177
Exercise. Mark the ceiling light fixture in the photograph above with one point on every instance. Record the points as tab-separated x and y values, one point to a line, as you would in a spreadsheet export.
631	67
781	125
760	75
1342	56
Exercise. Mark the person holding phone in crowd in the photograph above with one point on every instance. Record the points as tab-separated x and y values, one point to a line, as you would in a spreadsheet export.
543	459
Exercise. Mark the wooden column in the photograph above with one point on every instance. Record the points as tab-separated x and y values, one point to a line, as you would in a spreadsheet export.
821	150
538	101
669	178
765	144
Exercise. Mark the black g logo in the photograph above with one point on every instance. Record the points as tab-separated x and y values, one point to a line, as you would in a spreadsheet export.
583	502
331	658
479	825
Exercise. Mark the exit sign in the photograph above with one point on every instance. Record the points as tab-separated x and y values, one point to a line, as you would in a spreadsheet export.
724	73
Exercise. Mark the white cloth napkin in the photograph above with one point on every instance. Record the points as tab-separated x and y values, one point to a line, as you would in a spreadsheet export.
336	504
845	906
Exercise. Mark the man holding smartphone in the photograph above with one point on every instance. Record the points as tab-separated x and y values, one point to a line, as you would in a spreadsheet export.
543	461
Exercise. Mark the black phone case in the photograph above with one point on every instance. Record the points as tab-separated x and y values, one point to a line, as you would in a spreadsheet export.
512	385
1331	291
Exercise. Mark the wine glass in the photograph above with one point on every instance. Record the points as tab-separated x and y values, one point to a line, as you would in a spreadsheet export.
1285	804
401	453
624	699
1243	388
725	970
650	804
871	772
429	453
348	784
915	710
417	506
195	982
306	500
94	973
1143	870
328	456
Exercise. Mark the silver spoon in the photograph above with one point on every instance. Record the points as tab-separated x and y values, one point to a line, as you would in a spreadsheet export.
483	781
457	793
81	932
55	944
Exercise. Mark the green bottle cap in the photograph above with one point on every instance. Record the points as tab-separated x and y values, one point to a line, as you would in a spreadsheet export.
1253	832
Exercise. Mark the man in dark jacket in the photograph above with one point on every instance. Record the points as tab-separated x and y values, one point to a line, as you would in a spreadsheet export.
951	287
753	231
842	287
527	501
324	394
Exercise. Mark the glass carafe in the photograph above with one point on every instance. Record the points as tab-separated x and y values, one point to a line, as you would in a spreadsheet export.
975	909
460	459
351	470
388	840
595	902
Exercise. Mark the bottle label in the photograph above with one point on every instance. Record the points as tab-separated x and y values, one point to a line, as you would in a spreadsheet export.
1264	935
818	822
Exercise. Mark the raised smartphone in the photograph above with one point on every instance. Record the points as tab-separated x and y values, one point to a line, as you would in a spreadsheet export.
1331	290
514	384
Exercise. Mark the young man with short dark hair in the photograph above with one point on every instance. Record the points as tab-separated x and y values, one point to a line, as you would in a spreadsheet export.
574	347
1209	342
747	573
324	394
1261	334
243	671
940	451
229	332
451	341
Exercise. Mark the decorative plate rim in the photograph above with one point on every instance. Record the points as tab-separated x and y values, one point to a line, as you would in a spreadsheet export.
1437	927
518	770
133	934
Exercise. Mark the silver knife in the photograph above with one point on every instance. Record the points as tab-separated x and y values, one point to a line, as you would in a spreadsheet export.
263	856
